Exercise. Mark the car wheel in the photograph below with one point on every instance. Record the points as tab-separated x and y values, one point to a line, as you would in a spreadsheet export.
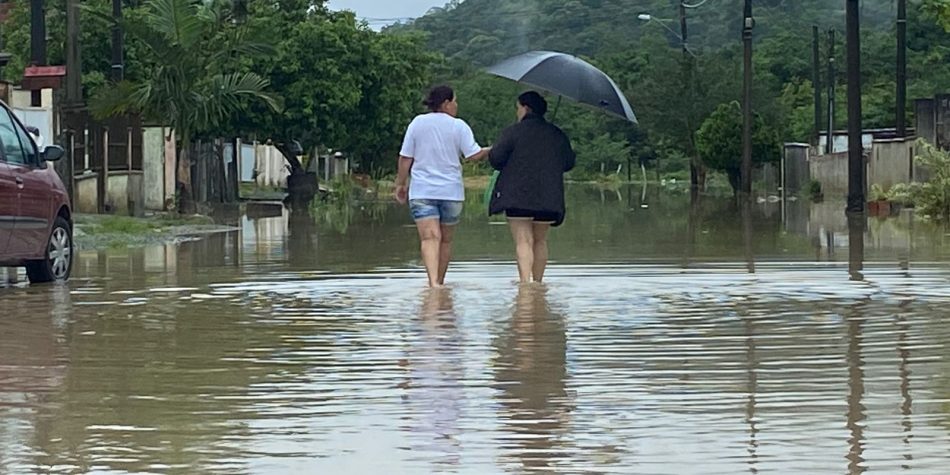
58	263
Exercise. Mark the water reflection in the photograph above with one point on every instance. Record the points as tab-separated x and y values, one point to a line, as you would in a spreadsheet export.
752	362
531	371
857	223
857	414
435	386
295	347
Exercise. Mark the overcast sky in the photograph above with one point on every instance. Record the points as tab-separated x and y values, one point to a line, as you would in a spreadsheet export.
387	8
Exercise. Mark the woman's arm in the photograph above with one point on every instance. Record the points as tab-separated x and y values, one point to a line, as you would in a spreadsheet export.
570	157
500	153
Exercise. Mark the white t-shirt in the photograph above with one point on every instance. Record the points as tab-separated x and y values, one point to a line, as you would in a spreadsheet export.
437	142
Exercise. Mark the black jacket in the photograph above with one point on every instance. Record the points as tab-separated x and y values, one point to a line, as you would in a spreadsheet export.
532	156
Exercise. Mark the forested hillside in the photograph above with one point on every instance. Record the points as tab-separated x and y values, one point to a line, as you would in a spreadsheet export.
645	59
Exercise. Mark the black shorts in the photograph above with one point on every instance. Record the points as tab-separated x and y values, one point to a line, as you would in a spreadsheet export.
536	216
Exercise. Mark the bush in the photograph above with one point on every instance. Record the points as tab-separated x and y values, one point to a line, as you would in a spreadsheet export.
932	199
814	190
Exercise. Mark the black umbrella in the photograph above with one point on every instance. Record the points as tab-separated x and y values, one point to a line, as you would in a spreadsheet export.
567	76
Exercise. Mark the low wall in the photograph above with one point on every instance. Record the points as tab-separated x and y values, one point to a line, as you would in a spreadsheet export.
153	162
891	163
831	171
119	198
270	167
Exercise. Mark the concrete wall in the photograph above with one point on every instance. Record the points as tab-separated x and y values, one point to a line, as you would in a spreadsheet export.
247	163
831	171
22	99
86	189
270	167
118	197
943	121
795	172
925	113
170	163
153	163
891	163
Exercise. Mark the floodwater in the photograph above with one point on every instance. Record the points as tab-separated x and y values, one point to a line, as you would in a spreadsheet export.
670	339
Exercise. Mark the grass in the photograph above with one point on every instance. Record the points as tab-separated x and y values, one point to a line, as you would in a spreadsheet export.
252	191
107	224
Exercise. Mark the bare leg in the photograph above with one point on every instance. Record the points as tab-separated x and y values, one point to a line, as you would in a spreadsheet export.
431	237
445	251
523	235
540	231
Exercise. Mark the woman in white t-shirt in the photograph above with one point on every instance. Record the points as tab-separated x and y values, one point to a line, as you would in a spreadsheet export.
431	153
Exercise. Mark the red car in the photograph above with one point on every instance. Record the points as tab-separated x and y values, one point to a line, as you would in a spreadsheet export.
36	229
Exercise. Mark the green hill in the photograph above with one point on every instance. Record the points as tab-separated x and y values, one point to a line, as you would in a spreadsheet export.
644	58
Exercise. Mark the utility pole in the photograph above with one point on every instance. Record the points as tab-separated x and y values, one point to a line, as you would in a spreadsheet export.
73	103
748	24
688	90
37	44
901	68
816	82
857	174
117	62
832	80
73	64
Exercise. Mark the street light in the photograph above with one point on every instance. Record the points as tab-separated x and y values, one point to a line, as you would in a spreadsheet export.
694	165
648	18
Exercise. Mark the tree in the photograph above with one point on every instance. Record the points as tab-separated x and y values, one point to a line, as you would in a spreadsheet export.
190	84
719	141
343	85
940	10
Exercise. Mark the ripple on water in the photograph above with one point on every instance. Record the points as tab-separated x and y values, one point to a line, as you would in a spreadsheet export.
606	369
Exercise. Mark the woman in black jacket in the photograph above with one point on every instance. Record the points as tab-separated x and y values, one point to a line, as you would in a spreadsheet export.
532	156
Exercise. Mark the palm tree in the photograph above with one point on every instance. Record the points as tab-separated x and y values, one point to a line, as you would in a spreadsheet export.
192	83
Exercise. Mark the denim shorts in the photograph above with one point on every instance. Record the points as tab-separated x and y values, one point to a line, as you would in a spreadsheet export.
448	213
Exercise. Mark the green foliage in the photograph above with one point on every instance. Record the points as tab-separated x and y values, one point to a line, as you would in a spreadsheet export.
939	10
904	193
344	86
933	197
814	191
877	193
672	93
719	141
190	82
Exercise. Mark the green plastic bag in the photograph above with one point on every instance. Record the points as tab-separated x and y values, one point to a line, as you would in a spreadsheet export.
490	190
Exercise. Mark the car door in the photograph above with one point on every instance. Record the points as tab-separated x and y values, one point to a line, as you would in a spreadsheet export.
29	237
8	204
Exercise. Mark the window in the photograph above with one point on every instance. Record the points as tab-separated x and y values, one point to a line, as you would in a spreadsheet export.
27	143
10	140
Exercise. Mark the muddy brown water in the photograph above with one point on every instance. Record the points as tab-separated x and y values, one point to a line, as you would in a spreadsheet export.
669	339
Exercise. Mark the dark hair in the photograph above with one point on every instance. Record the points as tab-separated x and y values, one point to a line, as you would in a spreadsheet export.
437	96
535	102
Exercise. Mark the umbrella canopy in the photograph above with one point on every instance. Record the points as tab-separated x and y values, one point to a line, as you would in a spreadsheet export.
567	76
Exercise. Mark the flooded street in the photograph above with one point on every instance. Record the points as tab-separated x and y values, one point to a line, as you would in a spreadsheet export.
670	339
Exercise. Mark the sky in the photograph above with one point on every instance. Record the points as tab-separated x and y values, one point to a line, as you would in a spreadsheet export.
384	9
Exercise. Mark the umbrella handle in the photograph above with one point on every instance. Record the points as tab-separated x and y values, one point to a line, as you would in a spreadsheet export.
556	107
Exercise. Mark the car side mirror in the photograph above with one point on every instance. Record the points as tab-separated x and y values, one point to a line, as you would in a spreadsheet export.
53	153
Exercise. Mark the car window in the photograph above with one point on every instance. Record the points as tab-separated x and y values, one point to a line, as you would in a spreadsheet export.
29	148
10	140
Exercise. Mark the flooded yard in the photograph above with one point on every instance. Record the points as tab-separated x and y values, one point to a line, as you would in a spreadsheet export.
670	338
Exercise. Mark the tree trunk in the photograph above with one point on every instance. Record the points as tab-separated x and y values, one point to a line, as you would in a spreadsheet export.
734	179
184	190
302	187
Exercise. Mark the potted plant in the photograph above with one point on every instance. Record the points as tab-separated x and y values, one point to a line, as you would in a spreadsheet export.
901	196
877	204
